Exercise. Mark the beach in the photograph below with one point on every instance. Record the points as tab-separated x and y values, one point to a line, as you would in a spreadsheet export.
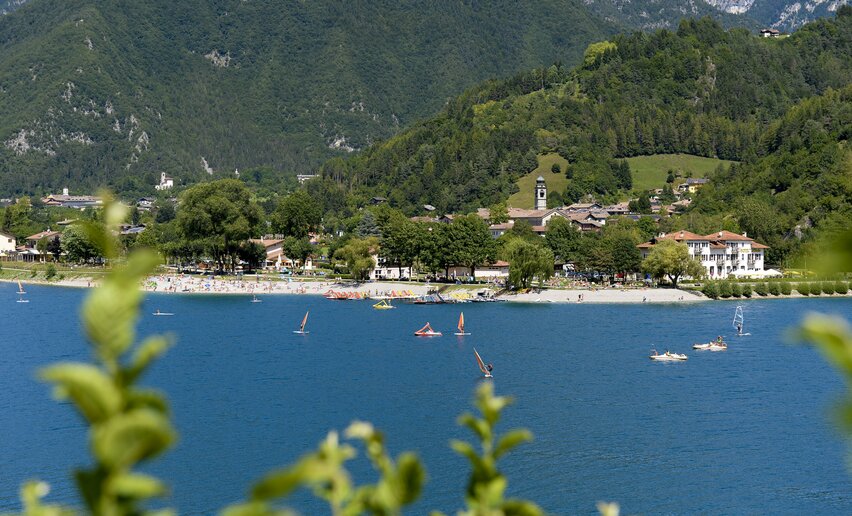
252	285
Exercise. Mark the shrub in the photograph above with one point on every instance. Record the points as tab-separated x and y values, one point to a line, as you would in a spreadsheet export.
725	290
746	290
803	289
761	289
33	272
50	271
737	290
774	288
815	288
827	287
841	287
711	290
786	288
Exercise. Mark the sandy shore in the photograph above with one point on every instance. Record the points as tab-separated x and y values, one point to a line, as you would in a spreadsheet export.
249	285
608	295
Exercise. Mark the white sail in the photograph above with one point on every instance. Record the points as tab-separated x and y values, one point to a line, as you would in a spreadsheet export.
738	322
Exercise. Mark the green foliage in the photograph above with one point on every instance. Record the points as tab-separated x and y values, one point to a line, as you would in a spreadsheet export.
358	256
815	288
297	215
49	271
841	287
761	289
128	424
487	485
803	288
746	290
736	290
710	289
671	259
774	288
827	287
218	217
726	289
527	261
786	288
78	246
468	242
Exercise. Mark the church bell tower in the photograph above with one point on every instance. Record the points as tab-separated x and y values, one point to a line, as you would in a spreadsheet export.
540	194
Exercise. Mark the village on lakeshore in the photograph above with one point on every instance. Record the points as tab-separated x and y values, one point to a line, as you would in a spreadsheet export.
546	240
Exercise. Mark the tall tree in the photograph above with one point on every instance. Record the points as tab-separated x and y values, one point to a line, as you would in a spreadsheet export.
527	261
221	214
297	215
671	259
469	242
563	238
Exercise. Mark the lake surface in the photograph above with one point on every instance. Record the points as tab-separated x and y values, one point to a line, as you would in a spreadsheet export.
742	431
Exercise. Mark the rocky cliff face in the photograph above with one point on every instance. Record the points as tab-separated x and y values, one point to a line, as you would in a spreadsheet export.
780	14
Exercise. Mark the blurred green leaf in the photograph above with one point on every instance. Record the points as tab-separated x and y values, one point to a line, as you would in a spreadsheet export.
151	349
511	440
521	508
89	388
136	485
132	437
411	477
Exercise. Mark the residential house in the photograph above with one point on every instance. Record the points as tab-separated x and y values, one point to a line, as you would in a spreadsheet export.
388	271
301	178
617	209
7	244
375	201
692	184
30	251
145	203
496	271
770	33
722	253
583	206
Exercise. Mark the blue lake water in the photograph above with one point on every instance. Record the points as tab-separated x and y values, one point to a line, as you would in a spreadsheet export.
743	431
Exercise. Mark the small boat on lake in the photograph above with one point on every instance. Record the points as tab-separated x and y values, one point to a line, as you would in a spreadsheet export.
716	345
461	331
383	305
668	356
302	330
486	369
159	313
254	299
427	331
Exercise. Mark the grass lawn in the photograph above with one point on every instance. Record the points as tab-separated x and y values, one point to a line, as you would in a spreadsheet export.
650	171
555	182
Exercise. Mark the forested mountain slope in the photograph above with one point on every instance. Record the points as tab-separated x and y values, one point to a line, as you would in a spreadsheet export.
701	90
103	93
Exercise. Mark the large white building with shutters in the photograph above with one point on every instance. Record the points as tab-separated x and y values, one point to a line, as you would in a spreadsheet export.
722	253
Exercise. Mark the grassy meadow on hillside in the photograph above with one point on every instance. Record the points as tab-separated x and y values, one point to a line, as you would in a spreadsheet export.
651	171
555	182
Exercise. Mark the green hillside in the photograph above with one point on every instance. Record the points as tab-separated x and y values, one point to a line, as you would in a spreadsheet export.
525	196
650	172
702	90
100	93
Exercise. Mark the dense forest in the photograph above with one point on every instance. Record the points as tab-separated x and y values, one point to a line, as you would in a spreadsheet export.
98	93
701	90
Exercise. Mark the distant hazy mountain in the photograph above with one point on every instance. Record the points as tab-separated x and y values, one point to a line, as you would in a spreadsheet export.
9	5
780	14
99	92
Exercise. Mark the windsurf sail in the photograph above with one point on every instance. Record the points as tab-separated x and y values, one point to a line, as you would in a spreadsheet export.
461	322
304	321
21	288
738	319
481	364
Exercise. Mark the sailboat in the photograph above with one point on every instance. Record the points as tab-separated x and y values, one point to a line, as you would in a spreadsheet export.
383	305
486	369
302	329
21	293
461	325
738	322
427	331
